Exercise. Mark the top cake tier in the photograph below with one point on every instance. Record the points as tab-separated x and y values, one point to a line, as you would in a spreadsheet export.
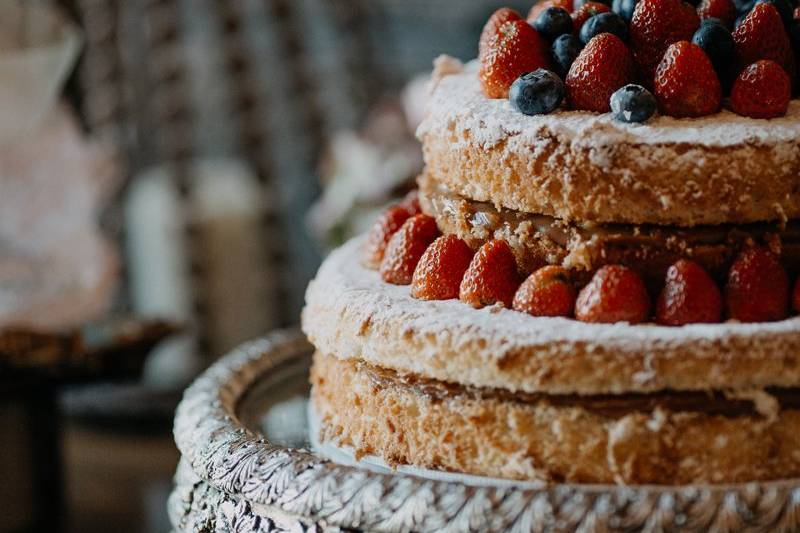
586	167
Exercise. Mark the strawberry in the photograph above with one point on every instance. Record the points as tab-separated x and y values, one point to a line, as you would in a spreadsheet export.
615	294
689	296
516	49
383	229
546	292
761	35
655	25
762	90
686	84
585	12
601	68
796	294
538	7
491	277
724	10
439	273
410	202
757	288
492	26
406	247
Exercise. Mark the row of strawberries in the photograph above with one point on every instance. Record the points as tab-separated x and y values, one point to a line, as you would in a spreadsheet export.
656	50
408	249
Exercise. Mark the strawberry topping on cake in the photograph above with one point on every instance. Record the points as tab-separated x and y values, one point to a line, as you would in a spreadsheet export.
659	44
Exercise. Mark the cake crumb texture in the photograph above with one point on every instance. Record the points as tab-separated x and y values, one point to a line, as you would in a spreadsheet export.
545	442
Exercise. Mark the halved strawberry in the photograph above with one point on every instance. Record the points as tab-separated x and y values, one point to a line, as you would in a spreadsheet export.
380	234
615	294
686	84
762	90
517	48
757	288
761	35
689	296
492	26
655	25
406	247
546	292
439	273
491	277
601	68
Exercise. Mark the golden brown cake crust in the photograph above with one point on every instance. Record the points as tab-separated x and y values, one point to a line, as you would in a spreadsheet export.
578	166
543	441
351	313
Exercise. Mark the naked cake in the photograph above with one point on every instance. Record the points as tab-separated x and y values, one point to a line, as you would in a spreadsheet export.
596	281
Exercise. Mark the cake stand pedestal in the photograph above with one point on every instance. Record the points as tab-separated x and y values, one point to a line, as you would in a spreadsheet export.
245	466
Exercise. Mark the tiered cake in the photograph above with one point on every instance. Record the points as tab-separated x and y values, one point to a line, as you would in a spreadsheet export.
654	339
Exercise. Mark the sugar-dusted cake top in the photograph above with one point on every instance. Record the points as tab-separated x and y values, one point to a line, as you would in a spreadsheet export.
457	105
634	57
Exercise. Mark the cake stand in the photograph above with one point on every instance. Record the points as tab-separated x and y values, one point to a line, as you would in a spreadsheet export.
245	466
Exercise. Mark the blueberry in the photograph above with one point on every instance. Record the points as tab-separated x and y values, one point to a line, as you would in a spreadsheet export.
739	21
744	6
633	103
717	42
565	49
553	22
603	23
783	7
624	8
536	93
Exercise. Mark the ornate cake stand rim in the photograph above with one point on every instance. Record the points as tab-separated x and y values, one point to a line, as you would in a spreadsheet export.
233	459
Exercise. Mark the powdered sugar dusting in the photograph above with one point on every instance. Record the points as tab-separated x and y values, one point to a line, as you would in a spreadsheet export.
457	105
343	272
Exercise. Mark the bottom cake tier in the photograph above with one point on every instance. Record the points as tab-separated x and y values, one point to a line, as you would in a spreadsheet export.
658	438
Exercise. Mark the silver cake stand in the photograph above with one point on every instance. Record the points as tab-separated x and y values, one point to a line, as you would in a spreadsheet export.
242	433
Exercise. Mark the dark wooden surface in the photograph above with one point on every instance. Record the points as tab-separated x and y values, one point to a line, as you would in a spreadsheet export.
117	480
30	462
35	367
63	475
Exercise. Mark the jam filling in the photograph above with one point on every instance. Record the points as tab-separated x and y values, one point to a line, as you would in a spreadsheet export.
650	249
610	405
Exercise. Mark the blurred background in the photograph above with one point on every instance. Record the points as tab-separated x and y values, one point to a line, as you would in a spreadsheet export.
171	174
